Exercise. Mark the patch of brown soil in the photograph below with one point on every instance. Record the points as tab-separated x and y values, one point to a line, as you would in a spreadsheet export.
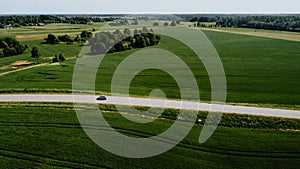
21	63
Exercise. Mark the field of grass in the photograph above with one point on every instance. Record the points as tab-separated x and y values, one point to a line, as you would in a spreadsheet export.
47	52
273	34
40	32
49	135
258	70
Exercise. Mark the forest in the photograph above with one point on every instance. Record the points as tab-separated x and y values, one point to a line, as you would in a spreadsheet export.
269	22
32	20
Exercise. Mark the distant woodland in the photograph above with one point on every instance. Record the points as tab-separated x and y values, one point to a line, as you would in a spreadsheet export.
269	22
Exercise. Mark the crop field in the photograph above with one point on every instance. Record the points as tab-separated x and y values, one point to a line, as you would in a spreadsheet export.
40	32
258	70
49	135
292	36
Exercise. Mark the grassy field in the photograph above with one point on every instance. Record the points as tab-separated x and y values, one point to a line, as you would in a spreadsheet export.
49	135
40	32
47	52
258	70
273	34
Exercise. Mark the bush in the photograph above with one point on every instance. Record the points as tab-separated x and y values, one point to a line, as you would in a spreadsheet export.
61	57
55	59
51	39
155	24
11	47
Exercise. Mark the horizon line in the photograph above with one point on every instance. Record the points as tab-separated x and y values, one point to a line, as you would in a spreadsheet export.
156	13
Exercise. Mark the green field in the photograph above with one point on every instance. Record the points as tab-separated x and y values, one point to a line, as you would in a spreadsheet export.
49	136
258	70
47	53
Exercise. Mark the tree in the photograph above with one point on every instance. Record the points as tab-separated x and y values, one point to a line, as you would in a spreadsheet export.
173	23
85	35
55	59
35	53
65	38
135	22
61	57
145	30
155	24
77	39
51	39
126	32
166	24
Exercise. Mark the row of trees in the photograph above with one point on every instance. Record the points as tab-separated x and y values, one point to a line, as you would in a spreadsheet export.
83	37
107	42
28	20
124	22
11	47
270	22
173	23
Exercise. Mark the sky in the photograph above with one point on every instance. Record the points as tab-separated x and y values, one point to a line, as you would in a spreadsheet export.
147	6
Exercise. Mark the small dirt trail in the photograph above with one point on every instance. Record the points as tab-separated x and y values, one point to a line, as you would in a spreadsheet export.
25	68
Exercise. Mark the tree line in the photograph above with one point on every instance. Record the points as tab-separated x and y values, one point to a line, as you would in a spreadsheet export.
11	47
83	37
269	22
31	20
117	41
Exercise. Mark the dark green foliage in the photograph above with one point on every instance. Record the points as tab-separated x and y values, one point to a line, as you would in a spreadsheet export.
61	57
166	24
35	53
117	41
77	39
65	38
270	22
51	39
40	20
85	35
11	47
155	24
55	59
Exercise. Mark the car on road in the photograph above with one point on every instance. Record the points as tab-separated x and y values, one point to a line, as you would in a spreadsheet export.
101	98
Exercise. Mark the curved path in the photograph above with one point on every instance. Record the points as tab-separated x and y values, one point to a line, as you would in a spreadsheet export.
188	105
